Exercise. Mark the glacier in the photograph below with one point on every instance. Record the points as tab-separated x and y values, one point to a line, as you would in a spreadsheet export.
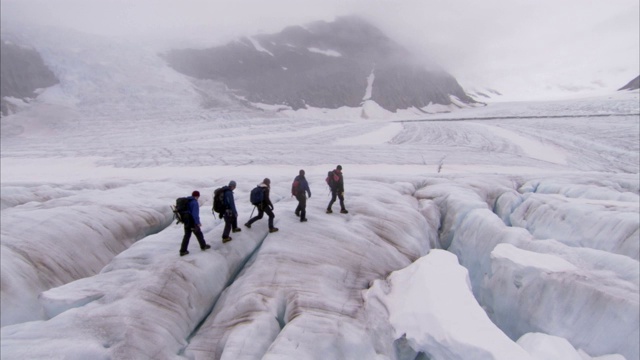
463	241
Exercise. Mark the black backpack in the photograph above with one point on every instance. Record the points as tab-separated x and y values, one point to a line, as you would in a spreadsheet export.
218	200
180	209
257	196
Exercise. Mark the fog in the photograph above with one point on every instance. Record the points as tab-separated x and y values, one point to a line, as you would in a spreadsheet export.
572	45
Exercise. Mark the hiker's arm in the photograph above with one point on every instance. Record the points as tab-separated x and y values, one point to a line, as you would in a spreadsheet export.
269	203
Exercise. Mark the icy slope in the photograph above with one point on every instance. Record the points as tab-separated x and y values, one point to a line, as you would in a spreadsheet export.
308	278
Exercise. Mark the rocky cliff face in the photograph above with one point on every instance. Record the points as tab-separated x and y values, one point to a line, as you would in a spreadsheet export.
632	85
22	72
324	65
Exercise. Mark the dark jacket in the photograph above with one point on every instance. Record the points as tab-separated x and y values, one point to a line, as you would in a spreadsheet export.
338	181
303	186
229	202
266	202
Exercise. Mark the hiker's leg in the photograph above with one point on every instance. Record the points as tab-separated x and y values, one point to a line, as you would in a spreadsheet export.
199	236
334	194
303	207
271	216
257	217
227	225
234	222
341	197
185	238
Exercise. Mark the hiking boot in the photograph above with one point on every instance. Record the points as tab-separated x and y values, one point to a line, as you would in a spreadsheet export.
227	239
236	230
272	230
183	253
329	211
303	220
248	225
207	246
344	211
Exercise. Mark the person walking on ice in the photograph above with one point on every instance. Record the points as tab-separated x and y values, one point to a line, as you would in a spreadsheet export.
300	189
336	184
191	219
260	198
230	214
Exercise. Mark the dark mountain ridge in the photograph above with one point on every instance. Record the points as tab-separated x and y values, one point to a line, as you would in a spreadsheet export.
22	72
632	85
324	65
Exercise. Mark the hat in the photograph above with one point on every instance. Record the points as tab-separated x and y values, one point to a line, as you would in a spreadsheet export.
339	167
232	183
195	193
301	172
266	181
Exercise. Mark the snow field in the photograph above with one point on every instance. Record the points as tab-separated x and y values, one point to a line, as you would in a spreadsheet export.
317	304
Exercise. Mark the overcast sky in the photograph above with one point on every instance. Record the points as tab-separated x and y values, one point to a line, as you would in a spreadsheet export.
472	39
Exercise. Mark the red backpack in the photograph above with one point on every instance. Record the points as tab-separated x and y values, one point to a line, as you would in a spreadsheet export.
332	179
294	187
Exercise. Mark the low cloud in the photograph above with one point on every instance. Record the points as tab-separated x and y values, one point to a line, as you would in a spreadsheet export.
478	42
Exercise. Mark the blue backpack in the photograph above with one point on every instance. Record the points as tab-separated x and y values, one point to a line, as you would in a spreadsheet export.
257	195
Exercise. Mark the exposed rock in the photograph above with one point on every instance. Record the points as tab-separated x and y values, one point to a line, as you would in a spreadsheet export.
22	72
632	85
324	65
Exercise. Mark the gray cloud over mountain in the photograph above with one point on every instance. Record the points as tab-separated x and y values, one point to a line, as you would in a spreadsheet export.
573	43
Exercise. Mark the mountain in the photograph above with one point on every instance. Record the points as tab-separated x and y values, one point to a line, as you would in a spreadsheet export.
22	72
323	65
632	85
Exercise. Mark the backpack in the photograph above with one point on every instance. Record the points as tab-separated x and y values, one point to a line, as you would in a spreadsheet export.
331	181
218	200
257	195
181	208
295	187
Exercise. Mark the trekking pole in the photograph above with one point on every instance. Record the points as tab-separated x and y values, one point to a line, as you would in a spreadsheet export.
251	216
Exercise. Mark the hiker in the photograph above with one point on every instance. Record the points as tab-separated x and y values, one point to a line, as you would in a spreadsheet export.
336	184
230	213
191	220
264	206
300	189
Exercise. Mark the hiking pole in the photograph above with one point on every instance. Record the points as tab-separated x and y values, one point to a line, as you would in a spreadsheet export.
251	216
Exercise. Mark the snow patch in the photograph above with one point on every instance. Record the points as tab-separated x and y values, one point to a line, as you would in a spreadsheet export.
532	148
370	79
380	136
259	47
325	52
431	304
545	262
